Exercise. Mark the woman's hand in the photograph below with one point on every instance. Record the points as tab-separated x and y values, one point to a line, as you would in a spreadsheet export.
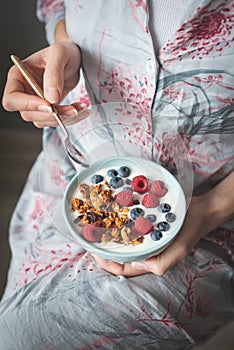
195	226
56	68
204	214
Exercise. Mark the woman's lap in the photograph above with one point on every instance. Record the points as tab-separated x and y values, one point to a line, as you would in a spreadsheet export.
87	308
58	298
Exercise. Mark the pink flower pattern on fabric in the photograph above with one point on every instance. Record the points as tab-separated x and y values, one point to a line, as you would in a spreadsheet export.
208	32
48	8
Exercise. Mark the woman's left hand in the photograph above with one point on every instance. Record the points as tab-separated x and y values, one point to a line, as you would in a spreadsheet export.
205	213
196	225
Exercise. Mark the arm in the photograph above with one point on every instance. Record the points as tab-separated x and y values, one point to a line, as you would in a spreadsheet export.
50	13
205	213
53	15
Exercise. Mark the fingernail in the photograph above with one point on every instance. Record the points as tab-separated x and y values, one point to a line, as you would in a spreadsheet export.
80	106
70	113
138	265
52	95
43	108
83	105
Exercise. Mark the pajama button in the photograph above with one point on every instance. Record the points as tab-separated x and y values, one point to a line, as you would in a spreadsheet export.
150	66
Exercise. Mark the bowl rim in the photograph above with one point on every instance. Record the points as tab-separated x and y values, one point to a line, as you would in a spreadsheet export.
114	255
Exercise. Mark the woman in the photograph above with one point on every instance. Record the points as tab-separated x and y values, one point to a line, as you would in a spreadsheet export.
174	68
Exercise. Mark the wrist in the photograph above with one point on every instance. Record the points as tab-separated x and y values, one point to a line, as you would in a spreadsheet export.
61	34
218	204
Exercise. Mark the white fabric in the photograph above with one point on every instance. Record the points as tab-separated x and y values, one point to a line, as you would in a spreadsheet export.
165	17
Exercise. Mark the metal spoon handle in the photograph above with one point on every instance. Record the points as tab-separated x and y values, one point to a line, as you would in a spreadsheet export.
28	76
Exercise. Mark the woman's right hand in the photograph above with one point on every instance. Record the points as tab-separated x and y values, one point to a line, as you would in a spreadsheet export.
57	70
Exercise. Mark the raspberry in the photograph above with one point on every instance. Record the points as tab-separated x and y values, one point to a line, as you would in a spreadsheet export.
150	200
92	233
158	188
124	198
140	184
142	226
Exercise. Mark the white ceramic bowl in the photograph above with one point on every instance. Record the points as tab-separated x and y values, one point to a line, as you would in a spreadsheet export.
120	252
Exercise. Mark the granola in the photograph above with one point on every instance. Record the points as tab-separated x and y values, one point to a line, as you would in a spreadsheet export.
99	208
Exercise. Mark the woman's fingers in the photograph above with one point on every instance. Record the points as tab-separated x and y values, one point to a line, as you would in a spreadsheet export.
18	96
61	71
82	113
161	263
18	101
70	115
119	269
53	79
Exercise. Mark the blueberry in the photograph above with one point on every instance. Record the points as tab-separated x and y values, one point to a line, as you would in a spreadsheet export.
136	201
96	179
163	226
136	212
164	207
129	223
124	171
156	235
151	217
92	217
116	182
170	217
112	173
128	182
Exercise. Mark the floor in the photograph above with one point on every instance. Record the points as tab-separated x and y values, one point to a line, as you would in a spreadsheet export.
20	145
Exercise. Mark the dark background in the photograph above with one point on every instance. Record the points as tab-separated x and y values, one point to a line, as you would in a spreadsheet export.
20	142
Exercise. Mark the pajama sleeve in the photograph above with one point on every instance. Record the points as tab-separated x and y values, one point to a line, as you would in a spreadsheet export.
50	12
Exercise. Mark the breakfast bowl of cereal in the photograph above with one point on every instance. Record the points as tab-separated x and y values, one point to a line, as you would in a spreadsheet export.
124	208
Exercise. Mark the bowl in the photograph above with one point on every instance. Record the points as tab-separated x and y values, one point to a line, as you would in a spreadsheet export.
153	243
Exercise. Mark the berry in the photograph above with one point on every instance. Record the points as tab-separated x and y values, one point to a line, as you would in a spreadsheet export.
92	233
158	188
116	182
140	184
77	220
96	179
92	217
129	223
142	226
170	217
156	235
112	173
136	202
164	207
124	171
124	198
151	217
128	182
150	200
163	226
136	212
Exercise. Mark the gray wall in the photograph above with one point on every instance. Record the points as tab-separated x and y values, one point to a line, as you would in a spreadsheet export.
20	142
21	34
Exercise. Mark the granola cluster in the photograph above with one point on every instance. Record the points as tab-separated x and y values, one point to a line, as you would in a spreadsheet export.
99	208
